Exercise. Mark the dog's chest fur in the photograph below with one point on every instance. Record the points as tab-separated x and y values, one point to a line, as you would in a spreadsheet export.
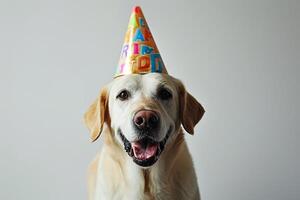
129	182
118	178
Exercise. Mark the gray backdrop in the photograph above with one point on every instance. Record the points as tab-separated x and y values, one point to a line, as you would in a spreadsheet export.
241	59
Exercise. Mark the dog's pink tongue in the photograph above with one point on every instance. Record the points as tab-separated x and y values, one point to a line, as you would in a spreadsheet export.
144	153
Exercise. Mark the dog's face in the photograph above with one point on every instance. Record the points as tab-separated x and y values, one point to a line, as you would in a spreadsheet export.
144	112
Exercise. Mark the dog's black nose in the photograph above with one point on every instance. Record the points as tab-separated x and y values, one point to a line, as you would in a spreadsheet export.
146	120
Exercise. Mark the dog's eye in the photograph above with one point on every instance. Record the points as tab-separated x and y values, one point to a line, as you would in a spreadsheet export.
164	94
123	95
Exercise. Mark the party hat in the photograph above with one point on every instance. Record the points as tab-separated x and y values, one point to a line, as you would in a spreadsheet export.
139	53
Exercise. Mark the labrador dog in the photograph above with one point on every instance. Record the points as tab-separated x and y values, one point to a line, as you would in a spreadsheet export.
144	154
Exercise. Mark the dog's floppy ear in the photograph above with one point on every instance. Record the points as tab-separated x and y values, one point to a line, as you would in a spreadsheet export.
191	111
97	114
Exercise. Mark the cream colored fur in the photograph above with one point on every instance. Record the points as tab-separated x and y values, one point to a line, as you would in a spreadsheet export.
113	175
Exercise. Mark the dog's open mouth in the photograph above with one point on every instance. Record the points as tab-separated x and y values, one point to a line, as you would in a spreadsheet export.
145	152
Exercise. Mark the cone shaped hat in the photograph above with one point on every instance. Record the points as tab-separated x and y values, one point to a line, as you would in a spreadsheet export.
139	54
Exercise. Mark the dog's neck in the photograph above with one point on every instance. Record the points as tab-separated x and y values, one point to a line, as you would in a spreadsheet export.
149	181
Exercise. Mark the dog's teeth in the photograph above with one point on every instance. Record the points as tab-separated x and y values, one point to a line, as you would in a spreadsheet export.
127	147
131	153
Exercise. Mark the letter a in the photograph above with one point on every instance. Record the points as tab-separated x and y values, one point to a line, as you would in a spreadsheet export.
138	35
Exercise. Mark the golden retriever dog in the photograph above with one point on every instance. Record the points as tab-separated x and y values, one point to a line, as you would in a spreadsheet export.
144	154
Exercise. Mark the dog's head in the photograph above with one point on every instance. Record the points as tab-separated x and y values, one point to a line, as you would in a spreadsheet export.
143	113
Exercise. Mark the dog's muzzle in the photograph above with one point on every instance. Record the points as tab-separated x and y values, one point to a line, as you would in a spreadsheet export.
145	151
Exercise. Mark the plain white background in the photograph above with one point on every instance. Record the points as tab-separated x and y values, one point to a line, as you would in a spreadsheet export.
240	59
